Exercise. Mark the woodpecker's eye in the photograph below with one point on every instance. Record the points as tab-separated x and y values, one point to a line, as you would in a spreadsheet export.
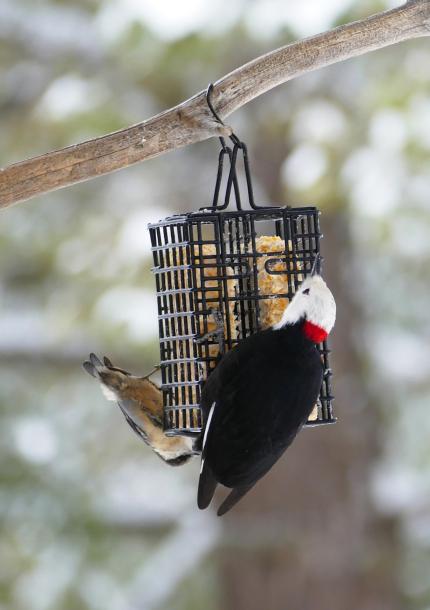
306	291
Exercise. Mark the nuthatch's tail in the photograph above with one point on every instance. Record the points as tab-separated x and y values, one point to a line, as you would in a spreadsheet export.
141	402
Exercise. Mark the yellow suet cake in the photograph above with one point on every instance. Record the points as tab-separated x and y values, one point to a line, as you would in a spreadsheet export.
210	297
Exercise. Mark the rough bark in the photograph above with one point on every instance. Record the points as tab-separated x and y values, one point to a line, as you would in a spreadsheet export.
192	121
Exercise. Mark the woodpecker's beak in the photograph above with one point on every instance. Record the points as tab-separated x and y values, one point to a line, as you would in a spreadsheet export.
316	266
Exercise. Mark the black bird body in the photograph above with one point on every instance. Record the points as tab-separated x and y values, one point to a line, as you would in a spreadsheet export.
263	392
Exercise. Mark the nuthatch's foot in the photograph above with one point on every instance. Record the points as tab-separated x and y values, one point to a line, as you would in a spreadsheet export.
141	402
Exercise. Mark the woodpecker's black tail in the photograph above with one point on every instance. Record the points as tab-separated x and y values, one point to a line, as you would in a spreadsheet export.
207	486
233	498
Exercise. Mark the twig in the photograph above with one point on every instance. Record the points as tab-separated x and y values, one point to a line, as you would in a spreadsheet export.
192	121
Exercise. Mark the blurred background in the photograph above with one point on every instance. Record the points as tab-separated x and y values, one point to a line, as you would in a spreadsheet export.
90	519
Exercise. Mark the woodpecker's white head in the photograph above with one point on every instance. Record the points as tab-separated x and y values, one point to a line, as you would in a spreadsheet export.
313	303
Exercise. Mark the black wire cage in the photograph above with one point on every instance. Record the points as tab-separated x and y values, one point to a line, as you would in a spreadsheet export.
221	276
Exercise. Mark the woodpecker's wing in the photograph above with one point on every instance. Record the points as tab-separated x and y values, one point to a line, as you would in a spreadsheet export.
264	390
141	403
223	376
207	487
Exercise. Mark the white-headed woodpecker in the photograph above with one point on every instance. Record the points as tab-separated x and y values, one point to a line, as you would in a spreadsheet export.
261	394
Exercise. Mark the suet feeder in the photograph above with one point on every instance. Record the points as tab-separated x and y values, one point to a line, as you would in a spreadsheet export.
222	275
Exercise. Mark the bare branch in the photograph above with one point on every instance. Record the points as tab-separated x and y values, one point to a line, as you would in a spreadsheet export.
192	122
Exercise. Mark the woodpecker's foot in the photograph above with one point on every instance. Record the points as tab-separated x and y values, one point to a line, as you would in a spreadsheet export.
218	331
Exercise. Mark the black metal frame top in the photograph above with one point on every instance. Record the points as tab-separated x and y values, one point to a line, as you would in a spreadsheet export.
263	212
232	155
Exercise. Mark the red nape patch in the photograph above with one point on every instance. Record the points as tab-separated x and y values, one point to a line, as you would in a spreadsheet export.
313	332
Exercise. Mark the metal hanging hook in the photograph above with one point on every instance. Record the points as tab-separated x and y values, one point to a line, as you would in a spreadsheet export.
232	136
232	177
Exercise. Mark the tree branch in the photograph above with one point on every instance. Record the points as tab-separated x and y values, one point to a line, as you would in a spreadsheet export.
192	121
